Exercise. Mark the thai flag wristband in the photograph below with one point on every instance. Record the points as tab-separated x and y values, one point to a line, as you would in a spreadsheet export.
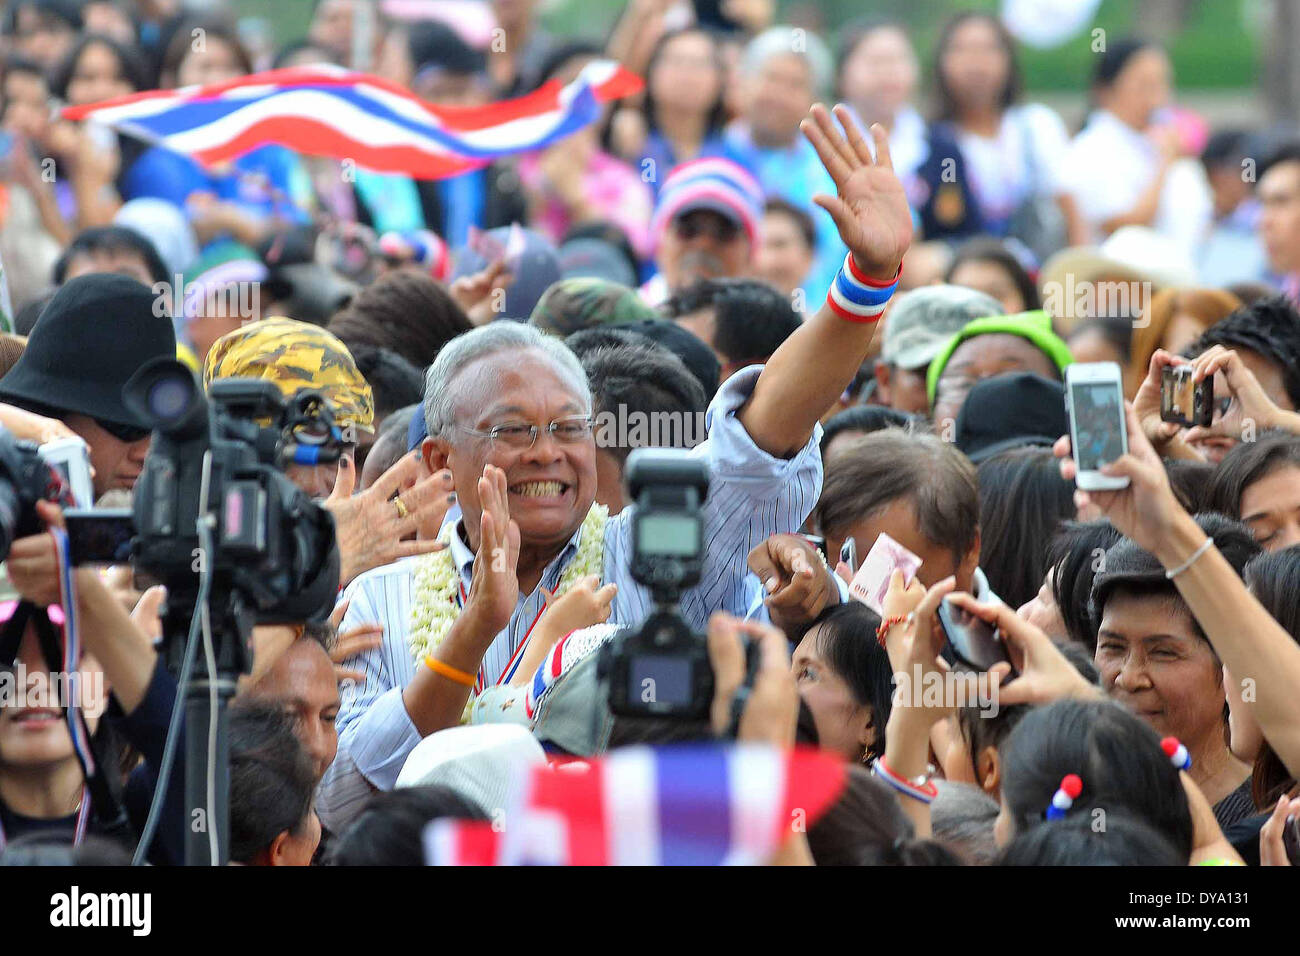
855	297
922	788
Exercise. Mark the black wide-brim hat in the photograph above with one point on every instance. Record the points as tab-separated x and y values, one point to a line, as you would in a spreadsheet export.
91	337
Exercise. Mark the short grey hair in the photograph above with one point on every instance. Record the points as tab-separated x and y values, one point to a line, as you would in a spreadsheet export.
775	41
440	397
963	816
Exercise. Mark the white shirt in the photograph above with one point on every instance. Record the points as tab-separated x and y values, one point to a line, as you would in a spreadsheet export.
1110	164
1022	160
752	495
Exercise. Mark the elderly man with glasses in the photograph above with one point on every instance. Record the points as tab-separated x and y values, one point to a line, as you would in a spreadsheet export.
508	413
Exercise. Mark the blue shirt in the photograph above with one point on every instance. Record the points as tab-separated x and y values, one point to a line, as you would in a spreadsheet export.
268	181
463	199
752	495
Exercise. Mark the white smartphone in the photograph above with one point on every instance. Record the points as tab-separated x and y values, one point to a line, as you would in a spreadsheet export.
71	458
1094	402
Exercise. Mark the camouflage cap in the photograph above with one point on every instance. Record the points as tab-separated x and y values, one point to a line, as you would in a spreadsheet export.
571	305
295	355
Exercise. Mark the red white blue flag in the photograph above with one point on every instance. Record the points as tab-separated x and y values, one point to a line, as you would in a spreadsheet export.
695	805
330	111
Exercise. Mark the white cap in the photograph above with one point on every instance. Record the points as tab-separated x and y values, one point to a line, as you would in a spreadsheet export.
483	763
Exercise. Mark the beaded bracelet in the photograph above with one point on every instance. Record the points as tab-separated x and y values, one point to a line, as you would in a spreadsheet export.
884	627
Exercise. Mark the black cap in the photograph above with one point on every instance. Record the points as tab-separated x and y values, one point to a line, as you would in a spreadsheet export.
91	337
697	357
1126	564
1011	411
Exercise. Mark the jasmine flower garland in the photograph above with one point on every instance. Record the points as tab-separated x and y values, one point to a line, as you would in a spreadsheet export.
435	604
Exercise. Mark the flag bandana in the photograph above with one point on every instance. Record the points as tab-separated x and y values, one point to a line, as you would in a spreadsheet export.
330	111
692	805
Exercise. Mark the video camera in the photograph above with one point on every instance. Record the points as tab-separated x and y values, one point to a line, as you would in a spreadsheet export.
663	669
271	544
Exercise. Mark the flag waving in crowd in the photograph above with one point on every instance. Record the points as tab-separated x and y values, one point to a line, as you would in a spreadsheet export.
329	111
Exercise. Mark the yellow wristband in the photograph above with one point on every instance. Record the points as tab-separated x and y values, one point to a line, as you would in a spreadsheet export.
447	671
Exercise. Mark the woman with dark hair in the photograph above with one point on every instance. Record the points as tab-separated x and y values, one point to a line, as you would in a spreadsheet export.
1126	167
1012	151
1117	759
220	57
867	827
574	181
92	162
98	68
844	677
683	111
259	192
987	265
1156	660
1061	608
876	76
1023	501
1259	483
1125	841
42	786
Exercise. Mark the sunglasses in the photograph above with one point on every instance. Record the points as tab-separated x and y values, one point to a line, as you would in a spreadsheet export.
130	434
711	226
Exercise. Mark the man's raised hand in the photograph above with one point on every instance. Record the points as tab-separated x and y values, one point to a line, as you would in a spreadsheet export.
870	208
494	587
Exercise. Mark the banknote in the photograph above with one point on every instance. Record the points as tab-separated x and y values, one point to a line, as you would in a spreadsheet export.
872	579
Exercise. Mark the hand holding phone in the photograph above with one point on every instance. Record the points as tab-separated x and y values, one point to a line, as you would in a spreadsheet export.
849	554
1094	403
1182	400
974	642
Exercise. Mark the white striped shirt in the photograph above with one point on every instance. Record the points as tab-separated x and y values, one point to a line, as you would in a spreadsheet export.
752	495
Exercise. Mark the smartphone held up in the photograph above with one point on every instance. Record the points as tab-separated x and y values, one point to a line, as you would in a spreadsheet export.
1094	404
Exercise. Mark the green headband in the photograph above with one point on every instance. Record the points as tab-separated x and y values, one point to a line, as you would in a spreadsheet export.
1034	326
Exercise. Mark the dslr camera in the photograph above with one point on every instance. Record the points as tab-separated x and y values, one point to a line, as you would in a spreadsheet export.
663	669
26	477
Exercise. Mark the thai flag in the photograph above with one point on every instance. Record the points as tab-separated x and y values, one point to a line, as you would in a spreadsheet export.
330	111
697	805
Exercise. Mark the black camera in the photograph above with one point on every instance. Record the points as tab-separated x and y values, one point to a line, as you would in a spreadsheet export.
25	478
663	669
272	555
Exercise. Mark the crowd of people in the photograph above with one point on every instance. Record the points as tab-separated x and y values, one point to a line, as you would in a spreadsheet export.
860	318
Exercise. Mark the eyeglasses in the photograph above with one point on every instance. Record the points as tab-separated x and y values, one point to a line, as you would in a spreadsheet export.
521	435
124	433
